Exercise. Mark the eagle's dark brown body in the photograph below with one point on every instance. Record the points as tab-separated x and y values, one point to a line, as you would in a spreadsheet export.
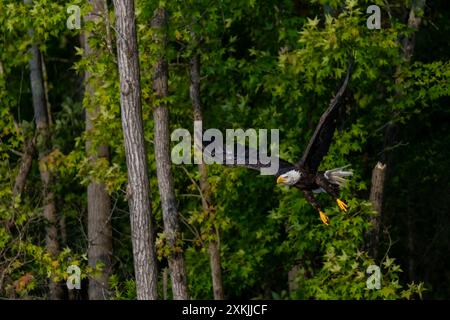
316	181
310	182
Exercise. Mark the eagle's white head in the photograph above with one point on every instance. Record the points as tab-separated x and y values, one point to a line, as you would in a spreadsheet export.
289	178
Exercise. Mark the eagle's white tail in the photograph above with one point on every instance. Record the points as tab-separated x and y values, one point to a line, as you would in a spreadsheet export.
337	175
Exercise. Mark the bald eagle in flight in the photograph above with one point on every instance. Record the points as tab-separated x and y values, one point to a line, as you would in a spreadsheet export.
304	174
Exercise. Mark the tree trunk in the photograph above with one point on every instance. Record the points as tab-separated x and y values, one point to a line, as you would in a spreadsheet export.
44	149
165	281
408	44
293	275
163	162
376	198
216	272
98	200
414	21
26	161
25	165
138	190
213	246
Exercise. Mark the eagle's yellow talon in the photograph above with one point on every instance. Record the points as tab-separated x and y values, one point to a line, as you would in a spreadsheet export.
342	205
324	218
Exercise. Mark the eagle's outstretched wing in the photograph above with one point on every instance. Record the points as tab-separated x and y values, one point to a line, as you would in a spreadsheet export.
320	142
245	157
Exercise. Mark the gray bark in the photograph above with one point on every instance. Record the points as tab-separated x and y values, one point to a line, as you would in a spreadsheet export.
26	161
138	190
98	200
44	149
216	272
376	198
292	279
163	162
213	246
25	165
414	21
165	281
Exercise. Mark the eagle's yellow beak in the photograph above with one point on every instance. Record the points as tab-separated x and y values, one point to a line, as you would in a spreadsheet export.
280	179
